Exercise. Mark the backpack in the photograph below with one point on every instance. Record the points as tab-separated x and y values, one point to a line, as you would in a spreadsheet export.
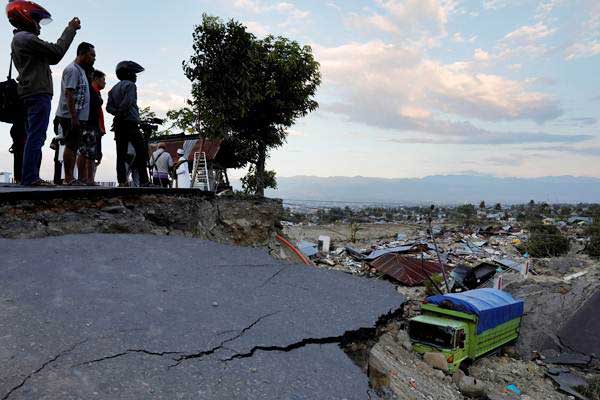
10	104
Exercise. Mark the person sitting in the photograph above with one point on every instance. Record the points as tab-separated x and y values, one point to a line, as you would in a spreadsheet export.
161	162
183	171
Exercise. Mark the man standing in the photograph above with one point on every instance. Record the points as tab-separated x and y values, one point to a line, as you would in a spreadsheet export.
74	111
96	121
183	171
33	57
161	163
122	103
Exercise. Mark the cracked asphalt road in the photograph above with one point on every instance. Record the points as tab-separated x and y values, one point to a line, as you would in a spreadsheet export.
147	317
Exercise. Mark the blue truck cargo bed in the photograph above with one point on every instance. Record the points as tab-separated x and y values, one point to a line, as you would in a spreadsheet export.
491	306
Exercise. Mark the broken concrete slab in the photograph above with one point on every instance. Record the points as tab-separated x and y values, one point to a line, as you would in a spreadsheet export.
580	333
125	316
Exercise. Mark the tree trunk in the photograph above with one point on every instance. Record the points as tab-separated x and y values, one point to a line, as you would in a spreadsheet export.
260	170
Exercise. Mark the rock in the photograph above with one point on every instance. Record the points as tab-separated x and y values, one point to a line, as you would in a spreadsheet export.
407	345
405	374
436	360
472	387
458	377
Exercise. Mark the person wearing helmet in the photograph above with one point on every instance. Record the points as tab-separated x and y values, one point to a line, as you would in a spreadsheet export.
122	103
32	57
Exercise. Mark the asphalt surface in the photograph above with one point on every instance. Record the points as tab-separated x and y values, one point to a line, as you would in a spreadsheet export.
582	333
146	317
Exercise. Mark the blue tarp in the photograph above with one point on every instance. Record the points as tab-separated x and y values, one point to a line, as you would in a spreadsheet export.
493	307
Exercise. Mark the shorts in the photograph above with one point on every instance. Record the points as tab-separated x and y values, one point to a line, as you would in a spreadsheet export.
89	141
98	154
70	137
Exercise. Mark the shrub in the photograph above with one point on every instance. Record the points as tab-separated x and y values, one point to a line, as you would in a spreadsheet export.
546	241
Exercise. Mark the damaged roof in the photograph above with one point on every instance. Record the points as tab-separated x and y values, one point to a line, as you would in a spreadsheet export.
409	271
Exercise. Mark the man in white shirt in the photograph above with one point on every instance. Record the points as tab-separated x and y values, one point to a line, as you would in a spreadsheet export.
183	172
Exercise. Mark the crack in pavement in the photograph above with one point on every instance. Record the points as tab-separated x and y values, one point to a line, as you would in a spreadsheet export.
205	353
125	353
40	369
286	349
265	283
184	357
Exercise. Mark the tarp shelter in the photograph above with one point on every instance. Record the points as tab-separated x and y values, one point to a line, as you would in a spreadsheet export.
409	271
491	306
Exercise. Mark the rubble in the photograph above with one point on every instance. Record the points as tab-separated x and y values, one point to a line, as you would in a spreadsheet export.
551	289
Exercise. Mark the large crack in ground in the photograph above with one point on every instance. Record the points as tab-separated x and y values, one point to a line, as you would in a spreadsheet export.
346	341
40	369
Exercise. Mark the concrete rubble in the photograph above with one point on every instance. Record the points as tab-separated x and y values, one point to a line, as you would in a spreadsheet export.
560	295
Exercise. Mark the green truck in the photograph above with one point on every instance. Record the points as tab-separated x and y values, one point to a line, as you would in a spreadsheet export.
466	326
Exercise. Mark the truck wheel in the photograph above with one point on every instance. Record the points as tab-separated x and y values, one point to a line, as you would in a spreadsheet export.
465	365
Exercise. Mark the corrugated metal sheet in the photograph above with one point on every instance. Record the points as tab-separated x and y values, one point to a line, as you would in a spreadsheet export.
409	271
173	143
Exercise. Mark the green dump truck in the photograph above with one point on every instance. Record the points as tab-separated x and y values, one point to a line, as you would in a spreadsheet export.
466	326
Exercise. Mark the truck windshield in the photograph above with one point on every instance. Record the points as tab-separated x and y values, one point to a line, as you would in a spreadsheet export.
438	336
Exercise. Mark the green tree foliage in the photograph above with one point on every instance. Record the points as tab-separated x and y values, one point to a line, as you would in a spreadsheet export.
546	241
249	181
181	120
593	247
466	213
498	207
249	89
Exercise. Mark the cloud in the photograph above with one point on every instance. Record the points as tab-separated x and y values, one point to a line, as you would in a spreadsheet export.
481	55
380	76
525	40
400	89
257	28
262	7
420	22
586	42
499	4
160	99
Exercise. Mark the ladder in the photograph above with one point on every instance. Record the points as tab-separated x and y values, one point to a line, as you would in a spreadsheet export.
200	178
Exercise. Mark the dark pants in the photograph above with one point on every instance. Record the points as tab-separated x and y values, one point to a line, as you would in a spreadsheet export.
18	133
129	132
161	181
37	109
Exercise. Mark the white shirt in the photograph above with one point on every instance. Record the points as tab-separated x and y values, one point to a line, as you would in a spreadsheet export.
183	175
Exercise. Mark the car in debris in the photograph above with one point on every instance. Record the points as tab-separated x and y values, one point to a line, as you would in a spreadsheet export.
468	278
466	326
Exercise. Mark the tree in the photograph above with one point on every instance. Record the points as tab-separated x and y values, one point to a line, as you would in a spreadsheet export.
498	207
466	213
593	247
546	241
249	181
183	120
482	205
250	89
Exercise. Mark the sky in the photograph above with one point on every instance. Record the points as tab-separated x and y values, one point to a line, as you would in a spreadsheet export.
411	88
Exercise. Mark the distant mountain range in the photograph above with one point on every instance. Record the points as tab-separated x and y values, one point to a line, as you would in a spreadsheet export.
447	189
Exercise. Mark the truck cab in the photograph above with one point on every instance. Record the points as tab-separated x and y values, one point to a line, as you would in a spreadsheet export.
435	334
466	326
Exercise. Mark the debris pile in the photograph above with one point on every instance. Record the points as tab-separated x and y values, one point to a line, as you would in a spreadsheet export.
555	355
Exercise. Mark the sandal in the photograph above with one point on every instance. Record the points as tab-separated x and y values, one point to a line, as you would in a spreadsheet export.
41	183
76	182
